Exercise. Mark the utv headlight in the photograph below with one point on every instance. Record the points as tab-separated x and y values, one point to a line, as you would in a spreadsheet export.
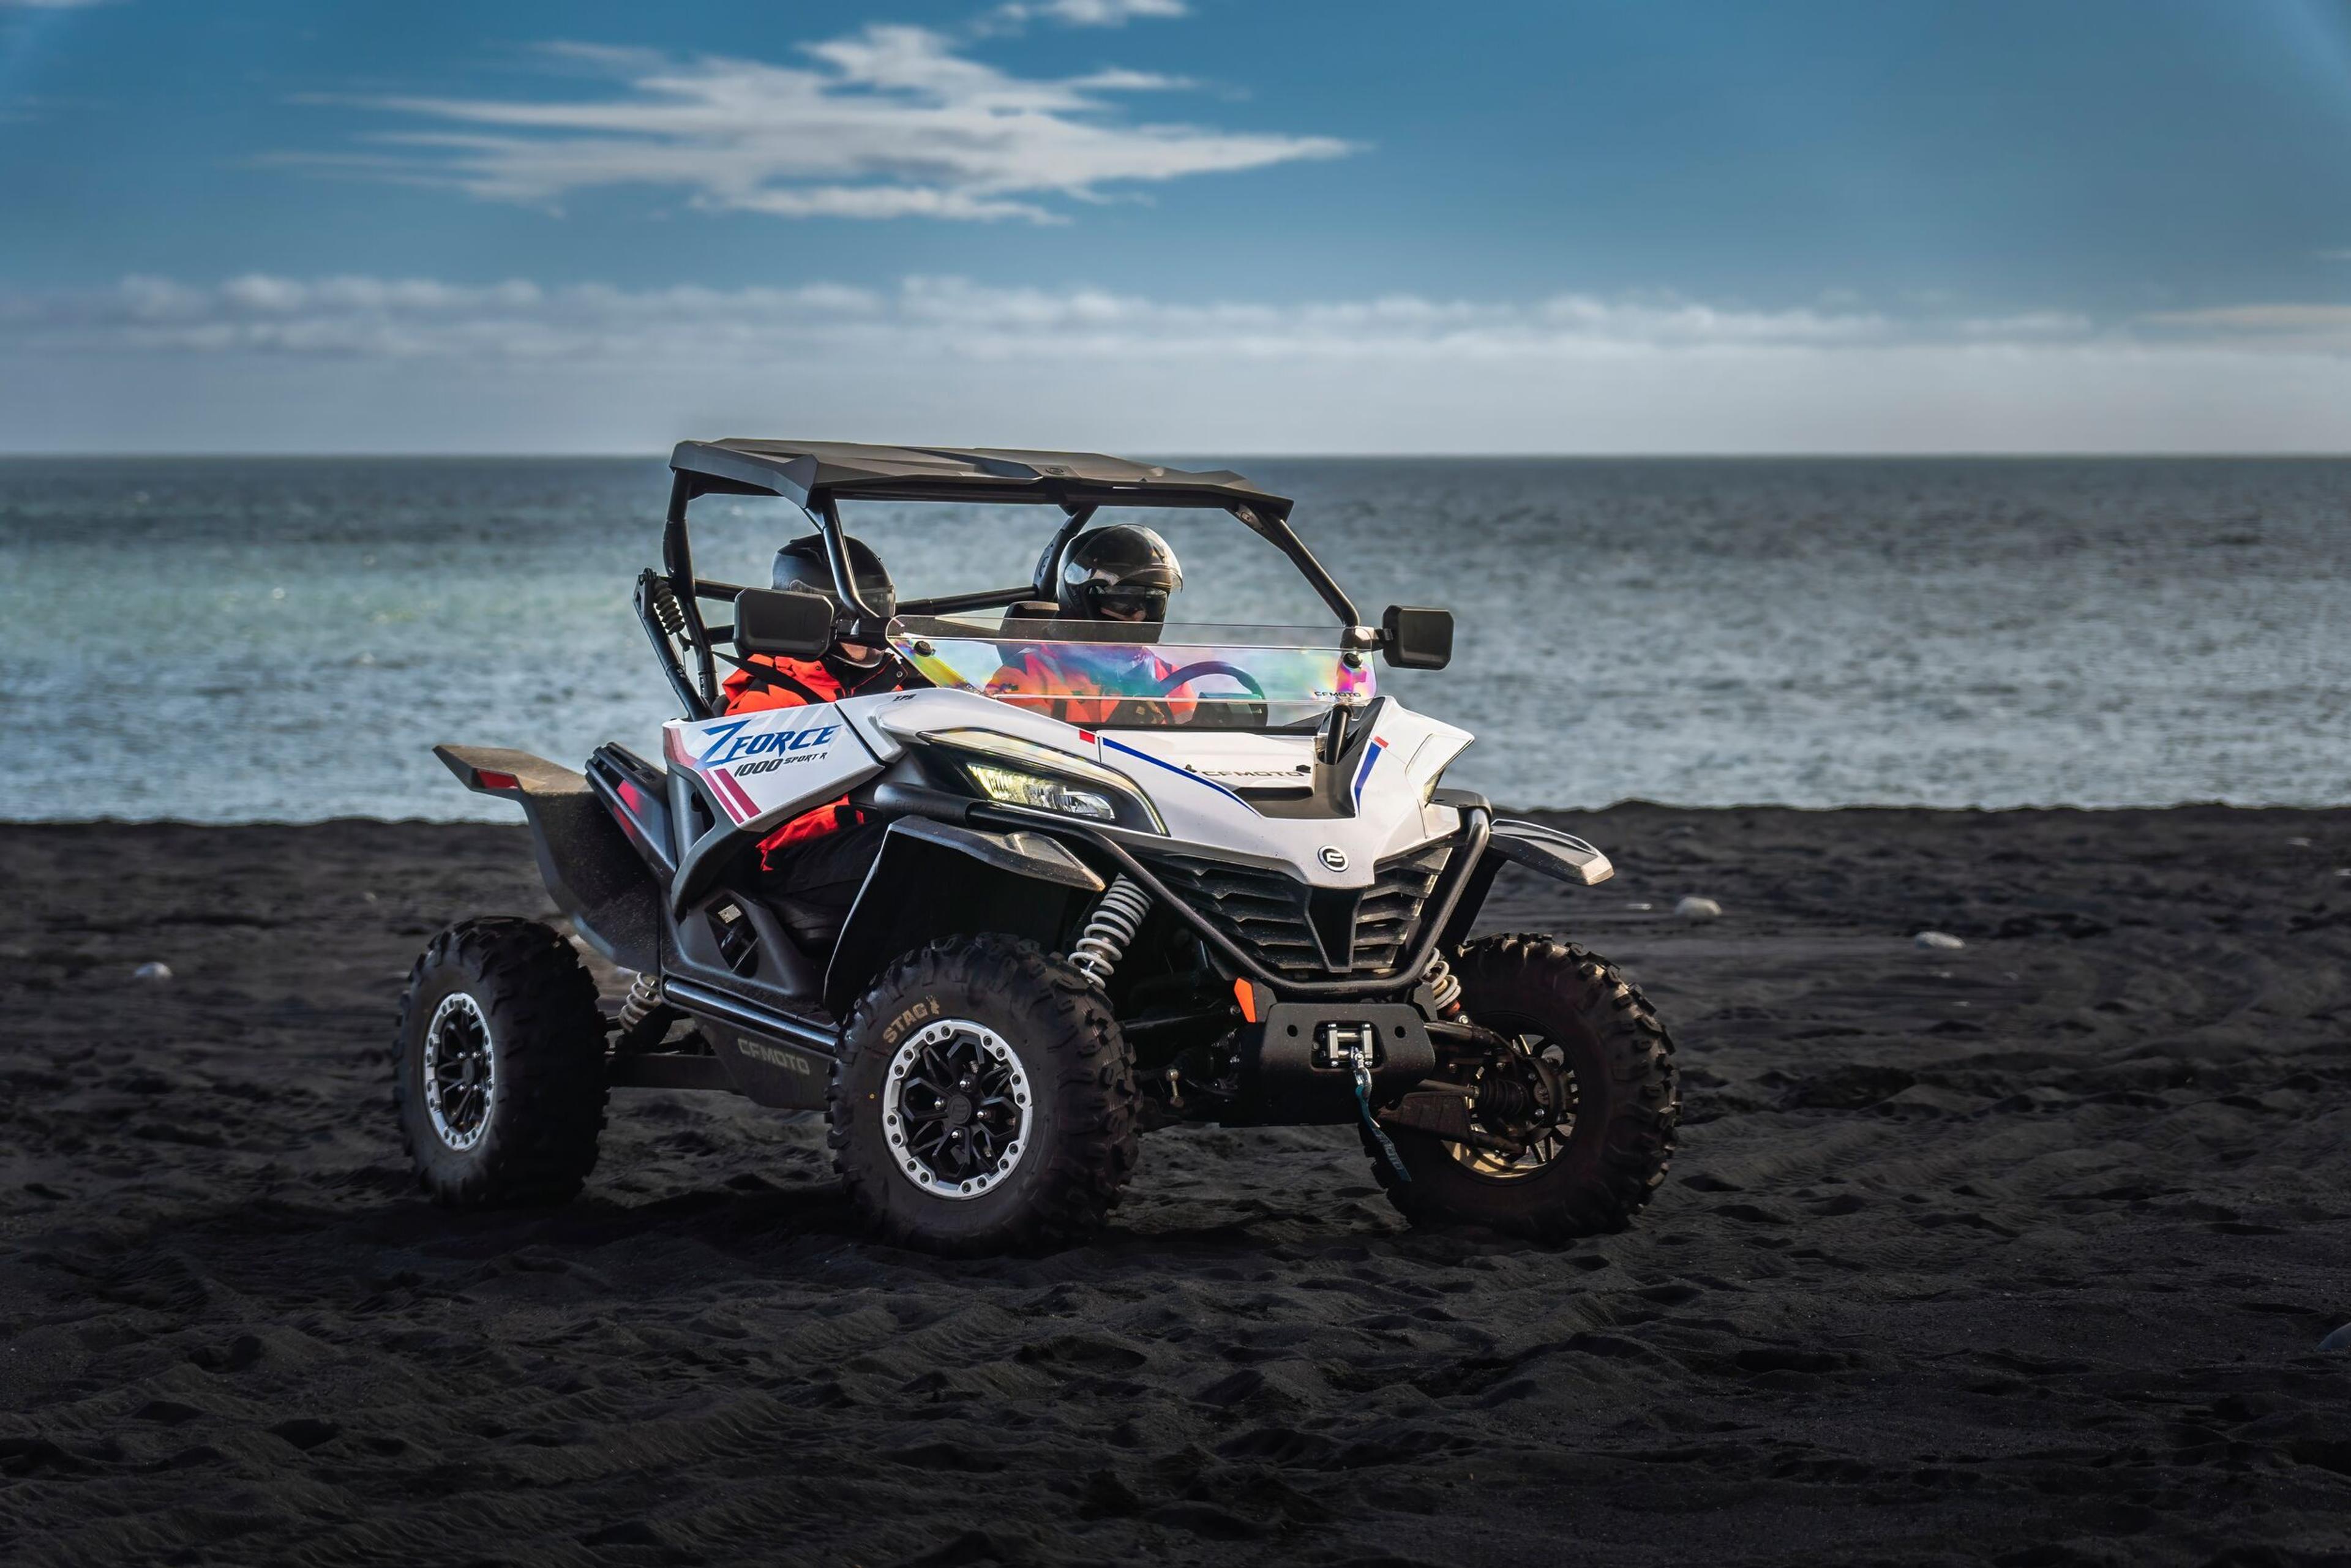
1015	772
1011	786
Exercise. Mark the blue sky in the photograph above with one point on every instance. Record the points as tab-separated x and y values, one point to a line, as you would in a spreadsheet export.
1178	224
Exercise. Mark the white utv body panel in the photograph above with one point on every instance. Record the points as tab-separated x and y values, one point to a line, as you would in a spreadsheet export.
763	768
768	767
1180	772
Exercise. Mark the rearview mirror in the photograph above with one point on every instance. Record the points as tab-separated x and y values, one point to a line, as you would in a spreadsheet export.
783	623
1415	638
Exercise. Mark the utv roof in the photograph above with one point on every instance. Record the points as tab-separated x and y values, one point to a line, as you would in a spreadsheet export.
814	472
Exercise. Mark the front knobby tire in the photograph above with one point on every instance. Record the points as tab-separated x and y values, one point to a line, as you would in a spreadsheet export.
984	1101
1598	1174
498	1066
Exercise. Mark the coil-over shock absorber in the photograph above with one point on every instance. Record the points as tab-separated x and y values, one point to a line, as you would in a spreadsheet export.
1443	987
665	607
1108	931
644	1018
645	996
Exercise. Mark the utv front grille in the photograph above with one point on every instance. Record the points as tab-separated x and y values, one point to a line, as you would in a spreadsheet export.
1306	932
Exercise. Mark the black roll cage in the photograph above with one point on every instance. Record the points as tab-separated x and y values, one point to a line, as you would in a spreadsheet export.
819	476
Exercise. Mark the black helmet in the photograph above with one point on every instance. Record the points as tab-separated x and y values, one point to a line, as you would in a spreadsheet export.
1122	566
801	564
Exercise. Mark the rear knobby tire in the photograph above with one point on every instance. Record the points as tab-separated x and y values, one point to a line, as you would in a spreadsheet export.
1627	1108
521	1127
1051	1073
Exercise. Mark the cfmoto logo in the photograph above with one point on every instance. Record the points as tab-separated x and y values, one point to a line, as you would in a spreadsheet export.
1334	857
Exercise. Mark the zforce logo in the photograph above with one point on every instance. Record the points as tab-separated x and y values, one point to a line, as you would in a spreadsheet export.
729	744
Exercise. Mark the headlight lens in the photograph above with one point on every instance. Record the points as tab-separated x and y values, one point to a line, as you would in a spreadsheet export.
1016	772
1013	788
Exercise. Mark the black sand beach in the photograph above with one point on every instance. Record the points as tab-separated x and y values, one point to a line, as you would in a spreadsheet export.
2018	1253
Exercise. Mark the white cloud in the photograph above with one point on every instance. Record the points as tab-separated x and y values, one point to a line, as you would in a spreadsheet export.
2296	324
1090	13
891	121
262	362
921	317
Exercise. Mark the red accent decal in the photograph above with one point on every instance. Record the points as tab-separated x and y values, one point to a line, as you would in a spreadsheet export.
1087	736
631	797
734	791
486	778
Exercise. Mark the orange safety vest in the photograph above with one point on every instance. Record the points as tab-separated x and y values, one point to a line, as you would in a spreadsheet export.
1039	680
801	682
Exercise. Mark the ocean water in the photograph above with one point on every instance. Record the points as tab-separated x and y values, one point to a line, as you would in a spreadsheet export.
233	640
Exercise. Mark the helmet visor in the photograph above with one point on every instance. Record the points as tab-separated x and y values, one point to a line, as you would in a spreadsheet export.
1120	602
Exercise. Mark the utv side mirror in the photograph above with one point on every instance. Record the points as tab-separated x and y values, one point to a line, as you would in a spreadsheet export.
781	622
1413	639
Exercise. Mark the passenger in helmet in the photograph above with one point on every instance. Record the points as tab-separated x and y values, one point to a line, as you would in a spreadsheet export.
821	857
1120	573
1124	573
845	669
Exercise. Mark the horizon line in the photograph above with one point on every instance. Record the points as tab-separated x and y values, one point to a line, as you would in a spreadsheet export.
1270	453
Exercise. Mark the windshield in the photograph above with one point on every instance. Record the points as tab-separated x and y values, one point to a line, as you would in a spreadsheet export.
1110	675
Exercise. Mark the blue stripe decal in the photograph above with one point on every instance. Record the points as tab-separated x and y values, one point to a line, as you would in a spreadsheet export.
1179	772
1370	760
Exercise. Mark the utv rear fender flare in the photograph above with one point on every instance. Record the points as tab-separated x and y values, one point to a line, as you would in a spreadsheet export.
593	874
935	879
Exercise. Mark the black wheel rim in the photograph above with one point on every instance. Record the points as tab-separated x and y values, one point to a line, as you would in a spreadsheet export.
957	1109
461	1072
1532	1102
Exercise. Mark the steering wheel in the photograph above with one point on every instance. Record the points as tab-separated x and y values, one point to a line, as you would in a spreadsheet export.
1175	678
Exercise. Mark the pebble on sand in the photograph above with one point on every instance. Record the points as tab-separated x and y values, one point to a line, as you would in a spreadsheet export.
151	970
1942	939
2339	1340
1696	908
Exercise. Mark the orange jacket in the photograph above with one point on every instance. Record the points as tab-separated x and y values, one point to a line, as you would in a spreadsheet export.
798	683
1045	680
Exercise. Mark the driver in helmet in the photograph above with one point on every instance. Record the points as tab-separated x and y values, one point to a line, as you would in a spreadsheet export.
1121	573
823	854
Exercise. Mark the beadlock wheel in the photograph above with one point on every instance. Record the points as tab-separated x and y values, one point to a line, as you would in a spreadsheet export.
1583	1107
957	1109
1541	1104
461	1072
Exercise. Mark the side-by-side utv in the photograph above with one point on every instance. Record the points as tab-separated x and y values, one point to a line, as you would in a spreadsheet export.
1199	874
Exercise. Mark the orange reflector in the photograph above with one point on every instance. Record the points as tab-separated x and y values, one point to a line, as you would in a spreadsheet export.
1245	994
